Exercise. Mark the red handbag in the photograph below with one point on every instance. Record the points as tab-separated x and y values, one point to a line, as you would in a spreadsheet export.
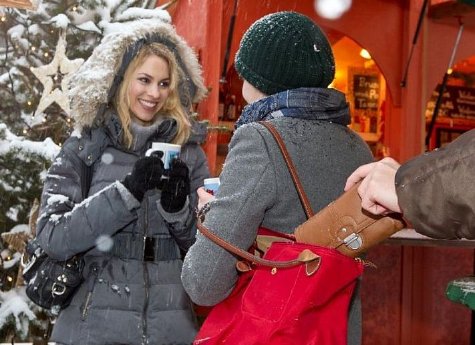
297	293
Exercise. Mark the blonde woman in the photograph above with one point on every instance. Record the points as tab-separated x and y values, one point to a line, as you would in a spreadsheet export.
135	224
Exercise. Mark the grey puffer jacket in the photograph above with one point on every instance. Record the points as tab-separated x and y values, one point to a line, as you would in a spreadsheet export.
257	190
435	190
124	299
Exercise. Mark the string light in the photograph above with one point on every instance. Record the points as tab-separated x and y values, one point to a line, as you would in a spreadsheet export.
29	102
46	54
25	131
10	279
33	48
3	18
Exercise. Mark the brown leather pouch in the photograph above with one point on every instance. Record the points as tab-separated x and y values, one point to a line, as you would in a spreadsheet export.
345	226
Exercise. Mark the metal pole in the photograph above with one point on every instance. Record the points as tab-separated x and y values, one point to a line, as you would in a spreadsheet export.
414	41
228	43
442	86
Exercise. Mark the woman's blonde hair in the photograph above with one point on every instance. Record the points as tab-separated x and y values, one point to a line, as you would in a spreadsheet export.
172	107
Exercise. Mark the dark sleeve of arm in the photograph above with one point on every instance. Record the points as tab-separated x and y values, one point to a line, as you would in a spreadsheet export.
436	190
68	225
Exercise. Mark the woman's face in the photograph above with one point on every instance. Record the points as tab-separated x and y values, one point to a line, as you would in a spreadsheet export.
149	89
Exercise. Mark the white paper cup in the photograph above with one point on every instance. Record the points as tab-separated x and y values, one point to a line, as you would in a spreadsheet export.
170	151
211	185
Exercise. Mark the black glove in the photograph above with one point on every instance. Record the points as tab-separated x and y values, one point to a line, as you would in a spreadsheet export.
146	174
176	188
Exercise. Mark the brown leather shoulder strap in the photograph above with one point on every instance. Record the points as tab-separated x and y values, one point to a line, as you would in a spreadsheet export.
306	256
290	165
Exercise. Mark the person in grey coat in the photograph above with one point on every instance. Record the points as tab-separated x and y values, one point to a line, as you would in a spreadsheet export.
138	218
287	64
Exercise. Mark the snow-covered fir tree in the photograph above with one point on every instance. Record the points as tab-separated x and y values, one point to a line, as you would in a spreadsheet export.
30	139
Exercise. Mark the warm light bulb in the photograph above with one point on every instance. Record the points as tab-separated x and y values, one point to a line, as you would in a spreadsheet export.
33	48
365	54
46	54
29	102
3	19
10	279
25	131
449	71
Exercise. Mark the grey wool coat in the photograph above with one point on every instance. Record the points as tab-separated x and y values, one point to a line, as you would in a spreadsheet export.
124	299
257	190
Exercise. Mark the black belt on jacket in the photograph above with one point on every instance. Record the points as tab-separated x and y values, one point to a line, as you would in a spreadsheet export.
144	248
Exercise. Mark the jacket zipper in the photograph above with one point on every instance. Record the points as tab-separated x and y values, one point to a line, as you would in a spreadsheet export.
146	279
92	283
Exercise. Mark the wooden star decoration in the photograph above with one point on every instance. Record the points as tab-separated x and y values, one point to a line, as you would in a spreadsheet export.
47	74
16	241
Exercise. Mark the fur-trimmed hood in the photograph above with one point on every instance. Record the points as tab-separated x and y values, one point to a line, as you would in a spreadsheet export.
89	88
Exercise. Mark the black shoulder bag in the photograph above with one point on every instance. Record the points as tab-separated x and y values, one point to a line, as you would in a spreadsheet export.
51	283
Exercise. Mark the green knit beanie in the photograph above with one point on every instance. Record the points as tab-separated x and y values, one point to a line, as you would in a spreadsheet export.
285	50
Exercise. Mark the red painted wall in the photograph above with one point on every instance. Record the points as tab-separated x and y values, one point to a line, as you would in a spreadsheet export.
199	22
403	300
385	28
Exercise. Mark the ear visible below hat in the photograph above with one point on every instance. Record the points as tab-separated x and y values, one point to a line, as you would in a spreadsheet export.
250	93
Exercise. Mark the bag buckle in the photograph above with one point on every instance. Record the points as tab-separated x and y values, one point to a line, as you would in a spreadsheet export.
353	241
148	248
58	289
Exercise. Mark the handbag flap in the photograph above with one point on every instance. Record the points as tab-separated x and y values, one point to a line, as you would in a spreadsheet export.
344	221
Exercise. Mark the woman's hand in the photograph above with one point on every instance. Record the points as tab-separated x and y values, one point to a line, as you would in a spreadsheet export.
203	197
176	187
377	190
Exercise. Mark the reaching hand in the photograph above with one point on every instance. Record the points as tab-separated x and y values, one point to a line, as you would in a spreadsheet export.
146	174
176	188
204	197
377	190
